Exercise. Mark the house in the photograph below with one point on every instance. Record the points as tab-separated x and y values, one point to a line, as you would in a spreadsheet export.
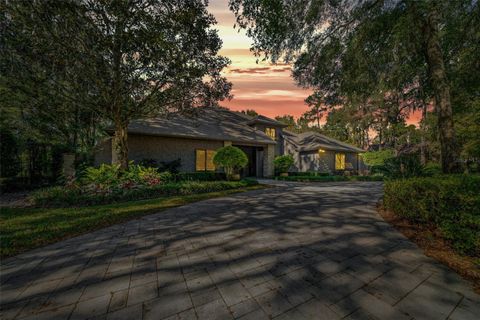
194	140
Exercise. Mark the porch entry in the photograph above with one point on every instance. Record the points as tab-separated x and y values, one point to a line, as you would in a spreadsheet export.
254	167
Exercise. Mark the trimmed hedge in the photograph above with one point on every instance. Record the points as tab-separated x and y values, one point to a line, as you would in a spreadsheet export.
64	197
450	202
199	176
310	178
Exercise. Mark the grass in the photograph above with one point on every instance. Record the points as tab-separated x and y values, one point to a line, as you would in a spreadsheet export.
23	229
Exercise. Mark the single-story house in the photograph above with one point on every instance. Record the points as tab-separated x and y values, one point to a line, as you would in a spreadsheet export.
194	139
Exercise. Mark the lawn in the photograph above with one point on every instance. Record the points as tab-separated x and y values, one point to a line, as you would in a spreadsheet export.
22	229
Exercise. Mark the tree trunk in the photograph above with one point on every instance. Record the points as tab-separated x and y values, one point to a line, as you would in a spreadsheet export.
441	89
423	147
120	145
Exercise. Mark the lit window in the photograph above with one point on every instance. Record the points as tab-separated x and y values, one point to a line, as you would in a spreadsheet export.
270	132
340	161
204	160
210	165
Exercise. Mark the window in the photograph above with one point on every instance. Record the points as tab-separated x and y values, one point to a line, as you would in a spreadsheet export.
204	160
270	132
339	161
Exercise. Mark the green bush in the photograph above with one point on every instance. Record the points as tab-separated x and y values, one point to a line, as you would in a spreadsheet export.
231	159
199	176
450	202
401	167
327	178
62	197
283	163
309	173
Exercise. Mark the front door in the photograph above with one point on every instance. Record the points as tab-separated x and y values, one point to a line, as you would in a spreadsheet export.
251	169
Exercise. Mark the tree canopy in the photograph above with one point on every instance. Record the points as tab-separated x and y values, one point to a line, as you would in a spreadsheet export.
117	60
379	59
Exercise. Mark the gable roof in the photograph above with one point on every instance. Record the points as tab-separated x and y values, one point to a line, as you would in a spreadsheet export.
210	123
309	141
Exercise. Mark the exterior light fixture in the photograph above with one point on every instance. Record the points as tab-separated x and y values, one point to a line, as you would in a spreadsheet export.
321	151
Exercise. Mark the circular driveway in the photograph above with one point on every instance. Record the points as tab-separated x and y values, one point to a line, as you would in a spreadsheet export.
295	251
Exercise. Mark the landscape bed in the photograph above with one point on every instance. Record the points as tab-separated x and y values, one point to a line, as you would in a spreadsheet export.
450	203
27	228
326	178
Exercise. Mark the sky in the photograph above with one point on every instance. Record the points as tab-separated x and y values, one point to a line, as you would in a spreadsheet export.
266	88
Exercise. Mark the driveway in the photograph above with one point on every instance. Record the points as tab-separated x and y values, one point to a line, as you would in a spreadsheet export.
296	251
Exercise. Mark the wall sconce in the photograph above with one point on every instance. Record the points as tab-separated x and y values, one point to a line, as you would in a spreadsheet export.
321	151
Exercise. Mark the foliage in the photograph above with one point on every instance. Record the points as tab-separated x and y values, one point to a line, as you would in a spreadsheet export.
110	61
309	173
283	163
170	166
377	158
404	166
59	196
28	228
250	112
371	63
329	178
199	176
9	162
148	162
231	159
452	203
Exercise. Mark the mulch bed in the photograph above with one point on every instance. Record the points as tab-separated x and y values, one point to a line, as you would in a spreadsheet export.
429	238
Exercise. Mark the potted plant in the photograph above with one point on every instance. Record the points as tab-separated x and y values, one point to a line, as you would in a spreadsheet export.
282	164
231	159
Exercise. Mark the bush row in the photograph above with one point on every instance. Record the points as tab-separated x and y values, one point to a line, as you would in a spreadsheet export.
450	202
312	178
62	197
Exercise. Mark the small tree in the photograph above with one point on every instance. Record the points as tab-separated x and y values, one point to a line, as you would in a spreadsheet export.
230	159
283	163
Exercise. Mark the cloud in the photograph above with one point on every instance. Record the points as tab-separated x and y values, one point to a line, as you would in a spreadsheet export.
259	70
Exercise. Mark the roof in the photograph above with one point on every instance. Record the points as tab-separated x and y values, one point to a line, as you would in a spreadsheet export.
210	123
310	140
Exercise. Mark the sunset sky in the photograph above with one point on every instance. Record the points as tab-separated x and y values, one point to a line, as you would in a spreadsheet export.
264	87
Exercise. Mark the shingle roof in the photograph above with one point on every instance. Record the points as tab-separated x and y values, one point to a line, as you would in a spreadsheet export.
309	141
210	123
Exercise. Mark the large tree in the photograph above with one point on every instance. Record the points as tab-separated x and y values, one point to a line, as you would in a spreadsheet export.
131	58
367	50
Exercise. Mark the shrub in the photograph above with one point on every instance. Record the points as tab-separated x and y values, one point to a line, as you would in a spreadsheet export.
450	202
199	176
404	166
375	159
283	163
61	197
230	159
170	166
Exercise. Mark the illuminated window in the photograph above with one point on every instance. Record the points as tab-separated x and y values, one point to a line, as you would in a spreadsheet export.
210	165
270	132
204	160
340	161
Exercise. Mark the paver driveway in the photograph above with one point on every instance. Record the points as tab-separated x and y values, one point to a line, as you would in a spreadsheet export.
300	251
